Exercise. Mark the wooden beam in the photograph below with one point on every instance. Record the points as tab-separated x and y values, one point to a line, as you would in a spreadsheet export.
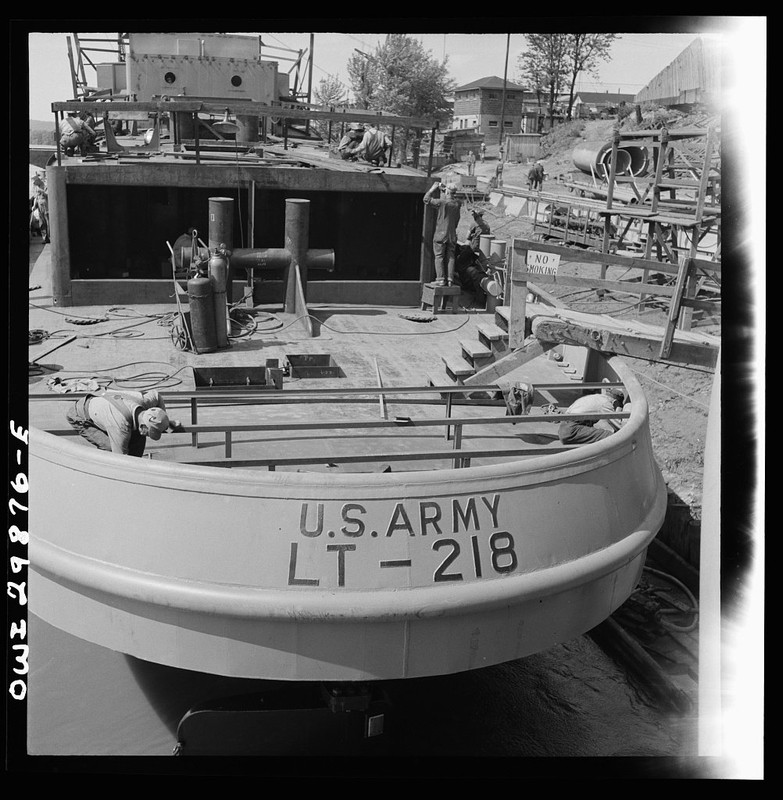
590	257
532	348
597	283
554	331
242	108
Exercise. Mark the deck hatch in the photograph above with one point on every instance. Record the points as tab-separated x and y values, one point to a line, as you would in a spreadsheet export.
314	366
231	377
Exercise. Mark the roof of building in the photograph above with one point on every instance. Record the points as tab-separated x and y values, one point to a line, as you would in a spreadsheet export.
604	97
491	82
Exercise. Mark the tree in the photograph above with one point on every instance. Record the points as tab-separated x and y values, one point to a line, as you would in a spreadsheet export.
585	51
403	79
544	65
330	92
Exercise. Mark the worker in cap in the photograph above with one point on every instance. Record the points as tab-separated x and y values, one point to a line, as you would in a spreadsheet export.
442	197
375	146
349	144
120	421
585	430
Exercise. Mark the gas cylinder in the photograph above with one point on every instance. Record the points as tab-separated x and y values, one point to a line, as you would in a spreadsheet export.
218	271
202	312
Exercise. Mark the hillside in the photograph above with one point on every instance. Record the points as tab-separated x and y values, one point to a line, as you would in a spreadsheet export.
41	132
678	396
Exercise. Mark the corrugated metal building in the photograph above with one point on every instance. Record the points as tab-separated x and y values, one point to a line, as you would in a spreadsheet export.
693	78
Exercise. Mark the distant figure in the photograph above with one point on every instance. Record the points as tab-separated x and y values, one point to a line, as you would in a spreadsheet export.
499	174
374	146
444	240
39	209
471	161
483	151
350	143
535	177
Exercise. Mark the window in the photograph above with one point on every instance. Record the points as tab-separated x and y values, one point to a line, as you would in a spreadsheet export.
493	123
493	96
508	123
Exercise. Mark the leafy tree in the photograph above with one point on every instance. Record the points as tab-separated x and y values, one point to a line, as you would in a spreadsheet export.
330	92
544	65
585	51
400	77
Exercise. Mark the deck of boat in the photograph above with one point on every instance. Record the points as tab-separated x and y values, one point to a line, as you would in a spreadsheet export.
368	348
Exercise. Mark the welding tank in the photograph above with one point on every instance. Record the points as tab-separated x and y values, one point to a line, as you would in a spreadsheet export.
202	313
218	270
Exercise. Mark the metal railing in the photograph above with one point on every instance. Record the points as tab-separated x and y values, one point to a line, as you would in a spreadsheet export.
454	427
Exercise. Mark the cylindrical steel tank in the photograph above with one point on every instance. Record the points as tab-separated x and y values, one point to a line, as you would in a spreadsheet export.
485	243
202	313
218	272
221	223
596	158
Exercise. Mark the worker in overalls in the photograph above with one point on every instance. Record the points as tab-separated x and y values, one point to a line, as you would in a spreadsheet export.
76	134
121	421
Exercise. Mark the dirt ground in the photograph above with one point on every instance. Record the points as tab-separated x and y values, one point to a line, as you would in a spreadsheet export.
678	396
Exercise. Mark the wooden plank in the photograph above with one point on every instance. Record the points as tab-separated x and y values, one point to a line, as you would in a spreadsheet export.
244	108
625	287
492	332
674	308
531	348
458	368
475	349
588	257
683	222
559	331
620	325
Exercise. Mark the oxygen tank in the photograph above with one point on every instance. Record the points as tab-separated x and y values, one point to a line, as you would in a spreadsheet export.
218	270
202	313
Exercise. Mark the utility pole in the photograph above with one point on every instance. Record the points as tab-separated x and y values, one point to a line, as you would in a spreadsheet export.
310	81
503	101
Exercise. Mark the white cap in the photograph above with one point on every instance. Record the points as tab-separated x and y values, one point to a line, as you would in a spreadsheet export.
156	420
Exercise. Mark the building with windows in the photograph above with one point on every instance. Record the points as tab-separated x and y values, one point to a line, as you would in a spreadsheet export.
480	106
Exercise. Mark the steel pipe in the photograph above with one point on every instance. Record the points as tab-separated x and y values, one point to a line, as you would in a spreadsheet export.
595	158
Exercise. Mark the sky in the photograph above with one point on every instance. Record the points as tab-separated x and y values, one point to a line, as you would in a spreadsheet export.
636	57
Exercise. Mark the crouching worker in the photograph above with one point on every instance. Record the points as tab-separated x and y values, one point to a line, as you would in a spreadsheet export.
471	263
121	421
584	431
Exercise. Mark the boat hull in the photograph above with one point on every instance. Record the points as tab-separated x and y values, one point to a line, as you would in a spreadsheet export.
339	577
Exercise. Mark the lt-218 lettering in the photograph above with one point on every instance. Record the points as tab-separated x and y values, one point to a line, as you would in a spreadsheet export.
422	518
